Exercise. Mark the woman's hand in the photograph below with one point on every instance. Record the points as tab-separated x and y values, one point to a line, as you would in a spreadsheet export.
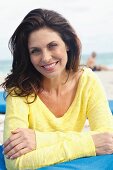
19	143
103	143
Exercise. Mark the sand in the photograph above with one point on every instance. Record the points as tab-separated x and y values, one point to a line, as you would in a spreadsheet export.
106	78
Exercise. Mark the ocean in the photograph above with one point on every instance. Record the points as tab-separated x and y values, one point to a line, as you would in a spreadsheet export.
103	59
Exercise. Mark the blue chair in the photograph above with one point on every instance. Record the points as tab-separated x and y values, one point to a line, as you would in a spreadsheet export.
104	162
2	102
2	162
111	105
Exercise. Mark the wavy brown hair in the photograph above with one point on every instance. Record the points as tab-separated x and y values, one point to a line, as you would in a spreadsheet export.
23	74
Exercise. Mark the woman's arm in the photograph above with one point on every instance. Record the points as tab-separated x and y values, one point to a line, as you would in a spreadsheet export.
51	147
98	111
100	119
70	146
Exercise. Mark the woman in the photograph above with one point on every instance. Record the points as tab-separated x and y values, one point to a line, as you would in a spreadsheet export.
50	97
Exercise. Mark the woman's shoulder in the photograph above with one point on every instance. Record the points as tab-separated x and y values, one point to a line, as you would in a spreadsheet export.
88	78
12	94
89	74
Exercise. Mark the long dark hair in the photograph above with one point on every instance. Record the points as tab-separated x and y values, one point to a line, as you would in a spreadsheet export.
24	79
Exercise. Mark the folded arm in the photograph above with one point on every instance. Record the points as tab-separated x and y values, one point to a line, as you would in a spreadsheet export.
51	147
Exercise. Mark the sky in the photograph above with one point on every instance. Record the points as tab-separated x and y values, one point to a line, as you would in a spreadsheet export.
91	19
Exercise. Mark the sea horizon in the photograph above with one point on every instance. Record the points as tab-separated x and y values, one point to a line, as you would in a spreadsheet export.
102	59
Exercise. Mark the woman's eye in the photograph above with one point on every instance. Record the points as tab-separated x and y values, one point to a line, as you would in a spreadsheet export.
52	46
35	51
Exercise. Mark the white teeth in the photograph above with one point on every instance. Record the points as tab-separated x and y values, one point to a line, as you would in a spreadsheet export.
50	66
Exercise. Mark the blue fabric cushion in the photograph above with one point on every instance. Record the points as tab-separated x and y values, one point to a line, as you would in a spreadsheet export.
2	162
104	162
2	102
111	105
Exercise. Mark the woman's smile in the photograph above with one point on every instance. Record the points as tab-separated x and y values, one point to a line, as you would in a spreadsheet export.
50	67
48	52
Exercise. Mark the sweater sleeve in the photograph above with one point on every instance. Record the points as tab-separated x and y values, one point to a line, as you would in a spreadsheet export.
52	147
98	111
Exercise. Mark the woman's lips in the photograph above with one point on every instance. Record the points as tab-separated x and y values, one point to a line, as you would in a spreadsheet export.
49	67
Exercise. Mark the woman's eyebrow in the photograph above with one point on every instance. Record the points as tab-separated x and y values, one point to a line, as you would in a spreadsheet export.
31	48
39	47
51	42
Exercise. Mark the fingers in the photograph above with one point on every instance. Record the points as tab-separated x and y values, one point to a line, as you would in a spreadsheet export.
104	150
17	151
12	144
12	138
18	154
103	143
16	130
21	141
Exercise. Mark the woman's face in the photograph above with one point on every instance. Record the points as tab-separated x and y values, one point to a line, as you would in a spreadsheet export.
48	52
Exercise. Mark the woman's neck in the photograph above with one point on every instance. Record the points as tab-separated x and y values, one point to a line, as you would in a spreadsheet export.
57	84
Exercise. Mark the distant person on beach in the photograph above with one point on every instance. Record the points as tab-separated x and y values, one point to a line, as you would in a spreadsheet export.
50	97
91	63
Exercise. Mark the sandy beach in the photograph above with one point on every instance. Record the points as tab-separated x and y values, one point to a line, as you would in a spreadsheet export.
106	78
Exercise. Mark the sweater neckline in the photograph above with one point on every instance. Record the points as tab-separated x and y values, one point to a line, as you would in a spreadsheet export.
66	114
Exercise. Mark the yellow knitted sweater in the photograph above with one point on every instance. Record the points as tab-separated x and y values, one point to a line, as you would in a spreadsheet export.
60	139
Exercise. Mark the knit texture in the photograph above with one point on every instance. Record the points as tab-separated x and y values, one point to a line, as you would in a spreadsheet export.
60	139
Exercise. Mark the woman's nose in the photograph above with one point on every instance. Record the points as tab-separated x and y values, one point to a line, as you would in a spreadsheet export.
46	56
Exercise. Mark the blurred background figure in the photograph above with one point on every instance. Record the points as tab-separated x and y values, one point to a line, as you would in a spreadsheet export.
91	63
